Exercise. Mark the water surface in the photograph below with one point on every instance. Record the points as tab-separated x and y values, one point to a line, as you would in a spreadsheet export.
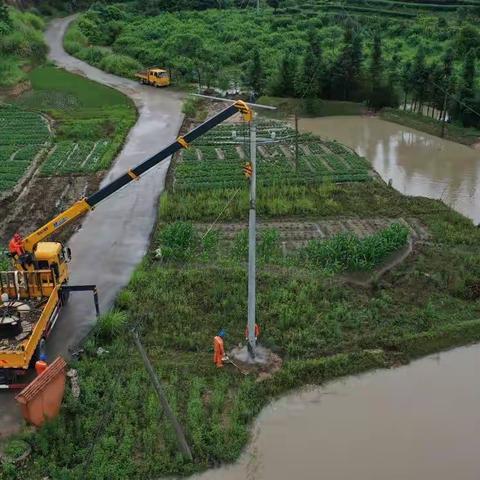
416	162
417	422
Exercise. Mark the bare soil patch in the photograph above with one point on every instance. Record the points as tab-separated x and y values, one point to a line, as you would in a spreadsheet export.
41	200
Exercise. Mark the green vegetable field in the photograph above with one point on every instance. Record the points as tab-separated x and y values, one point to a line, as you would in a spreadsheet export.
216	160
24	134
76	157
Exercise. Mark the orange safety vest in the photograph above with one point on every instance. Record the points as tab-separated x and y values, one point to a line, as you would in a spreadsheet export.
40	366
218	351
257	331
16	248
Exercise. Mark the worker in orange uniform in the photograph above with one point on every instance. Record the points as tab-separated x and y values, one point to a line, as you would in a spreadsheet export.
16	246
218	349
257	332
41	365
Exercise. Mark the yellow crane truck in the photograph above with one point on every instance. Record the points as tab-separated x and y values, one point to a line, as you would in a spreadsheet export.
33	293
156	77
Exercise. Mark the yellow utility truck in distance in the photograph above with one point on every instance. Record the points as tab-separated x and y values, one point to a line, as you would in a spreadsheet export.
157	77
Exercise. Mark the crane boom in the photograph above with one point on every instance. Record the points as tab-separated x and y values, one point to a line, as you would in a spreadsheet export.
84	205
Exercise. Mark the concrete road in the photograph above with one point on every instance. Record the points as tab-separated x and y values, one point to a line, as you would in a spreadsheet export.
114	238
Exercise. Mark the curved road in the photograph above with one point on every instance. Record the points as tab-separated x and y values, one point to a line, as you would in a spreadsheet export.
112	240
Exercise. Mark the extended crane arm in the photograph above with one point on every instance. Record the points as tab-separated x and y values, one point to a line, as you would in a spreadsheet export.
83	206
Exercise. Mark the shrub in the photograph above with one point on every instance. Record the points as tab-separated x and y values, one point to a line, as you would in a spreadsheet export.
190	106
111	324
120	65
348	252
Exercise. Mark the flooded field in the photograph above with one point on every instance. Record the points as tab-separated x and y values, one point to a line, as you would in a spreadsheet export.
416	422
417	163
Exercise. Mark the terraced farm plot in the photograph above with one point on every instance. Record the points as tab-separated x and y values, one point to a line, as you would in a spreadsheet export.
23	135
296	234
216	161
75	157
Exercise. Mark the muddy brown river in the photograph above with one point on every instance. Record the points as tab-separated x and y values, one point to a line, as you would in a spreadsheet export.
417	163
417	422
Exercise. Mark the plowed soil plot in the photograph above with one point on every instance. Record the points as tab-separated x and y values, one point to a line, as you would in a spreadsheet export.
295	234
43	199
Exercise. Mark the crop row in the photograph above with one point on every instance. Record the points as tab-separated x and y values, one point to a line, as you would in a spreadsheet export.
219	164
19	127
22	136
14	163
75	157
347	251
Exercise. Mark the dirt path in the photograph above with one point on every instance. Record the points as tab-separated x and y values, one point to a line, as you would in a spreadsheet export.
113	239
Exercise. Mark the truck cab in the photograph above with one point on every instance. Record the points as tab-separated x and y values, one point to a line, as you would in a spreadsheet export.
48	256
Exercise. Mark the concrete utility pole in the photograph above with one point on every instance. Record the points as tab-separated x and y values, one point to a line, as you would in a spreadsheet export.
182	441
252	232
258	6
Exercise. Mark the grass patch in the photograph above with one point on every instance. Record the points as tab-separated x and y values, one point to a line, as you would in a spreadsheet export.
348	252
82	96
83	110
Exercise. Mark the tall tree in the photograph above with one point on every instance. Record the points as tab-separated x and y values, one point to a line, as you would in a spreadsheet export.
376	62
255	75
468	74
394	66
406	81
309	79
284	83
349	64
419	79
381	92
4	14
468	101
446	84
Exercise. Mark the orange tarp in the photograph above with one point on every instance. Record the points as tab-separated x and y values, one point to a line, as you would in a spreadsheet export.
42	398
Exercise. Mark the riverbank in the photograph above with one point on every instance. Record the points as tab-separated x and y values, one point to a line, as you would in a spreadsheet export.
415	163
453	132
287	107
321	327
310	108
